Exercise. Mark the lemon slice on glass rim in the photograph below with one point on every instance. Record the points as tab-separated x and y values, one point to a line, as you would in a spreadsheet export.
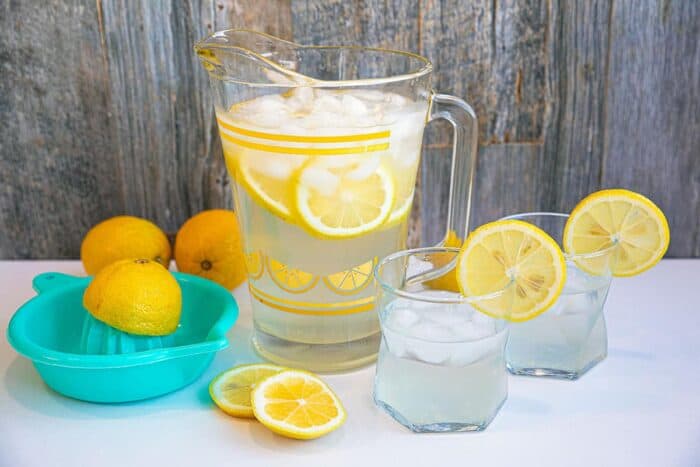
334	202
514	257
627	220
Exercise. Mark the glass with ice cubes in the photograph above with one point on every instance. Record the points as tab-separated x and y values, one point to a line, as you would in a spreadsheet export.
441	364
570	337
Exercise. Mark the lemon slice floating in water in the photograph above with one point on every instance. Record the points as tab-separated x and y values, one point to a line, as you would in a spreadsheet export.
618	217
337	203
514	257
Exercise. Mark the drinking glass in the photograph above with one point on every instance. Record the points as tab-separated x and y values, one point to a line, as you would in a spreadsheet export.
441	364
571	337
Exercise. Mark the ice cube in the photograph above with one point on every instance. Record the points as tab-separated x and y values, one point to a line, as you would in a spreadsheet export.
483	324
450	316
327	103
395	342
471	352
354	106
301	99
401	319
268	104
435	353
364	169
321	180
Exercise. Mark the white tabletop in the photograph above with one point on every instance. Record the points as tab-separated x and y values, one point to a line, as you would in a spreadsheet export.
641	406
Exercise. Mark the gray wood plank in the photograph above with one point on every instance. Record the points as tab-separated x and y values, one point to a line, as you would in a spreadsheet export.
577	78
57	163
493	55
652	139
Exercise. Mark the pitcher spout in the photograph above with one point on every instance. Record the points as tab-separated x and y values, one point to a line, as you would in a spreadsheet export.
250	57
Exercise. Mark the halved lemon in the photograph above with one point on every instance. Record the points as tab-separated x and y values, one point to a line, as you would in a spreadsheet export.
347	207
514	257
231	390
623	218
298	405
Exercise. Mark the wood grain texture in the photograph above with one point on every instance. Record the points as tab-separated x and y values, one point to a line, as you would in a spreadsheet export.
104	109
57	169
571	167
652	137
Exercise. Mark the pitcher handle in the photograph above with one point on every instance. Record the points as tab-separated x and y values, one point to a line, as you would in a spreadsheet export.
464	152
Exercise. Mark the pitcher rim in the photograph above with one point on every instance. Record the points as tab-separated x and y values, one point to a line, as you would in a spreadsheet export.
425	69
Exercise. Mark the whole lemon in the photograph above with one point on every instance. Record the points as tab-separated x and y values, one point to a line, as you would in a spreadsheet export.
209	245
123	237
137	296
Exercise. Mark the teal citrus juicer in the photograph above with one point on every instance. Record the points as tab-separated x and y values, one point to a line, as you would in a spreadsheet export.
83	358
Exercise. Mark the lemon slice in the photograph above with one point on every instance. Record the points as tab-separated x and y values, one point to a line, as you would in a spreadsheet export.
351	281
271	189
298	405
623	218
231	389
518	258
402	209
254	264
291	280
343	206
447	281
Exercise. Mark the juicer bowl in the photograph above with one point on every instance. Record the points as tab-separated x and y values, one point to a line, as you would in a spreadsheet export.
48	330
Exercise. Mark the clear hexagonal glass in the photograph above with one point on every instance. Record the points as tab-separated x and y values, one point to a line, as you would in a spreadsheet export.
441	364
571	337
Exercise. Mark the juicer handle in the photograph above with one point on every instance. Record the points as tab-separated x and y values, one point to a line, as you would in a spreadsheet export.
52	280
464	150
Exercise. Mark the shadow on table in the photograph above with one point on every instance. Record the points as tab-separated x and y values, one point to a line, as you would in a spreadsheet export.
25	386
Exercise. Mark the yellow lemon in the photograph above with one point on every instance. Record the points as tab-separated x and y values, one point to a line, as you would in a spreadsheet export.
628	220
209	245
297	404
123	237
135	296
447	281
518	262
231	389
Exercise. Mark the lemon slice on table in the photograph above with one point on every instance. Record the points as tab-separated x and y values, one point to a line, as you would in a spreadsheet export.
231	390
298	405
618	217
343	202
518	258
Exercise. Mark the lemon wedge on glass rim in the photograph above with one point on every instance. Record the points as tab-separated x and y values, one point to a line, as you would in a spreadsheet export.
514	257
627	220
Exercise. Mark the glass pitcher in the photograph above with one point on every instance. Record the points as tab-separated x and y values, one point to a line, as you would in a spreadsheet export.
323	146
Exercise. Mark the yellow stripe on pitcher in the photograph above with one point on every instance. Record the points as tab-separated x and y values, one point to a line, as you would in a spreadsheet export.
337	151
304	138
310	308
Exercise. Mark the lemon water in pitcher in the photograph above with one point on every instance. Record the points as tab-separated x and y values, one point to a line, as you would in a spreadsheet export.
323	146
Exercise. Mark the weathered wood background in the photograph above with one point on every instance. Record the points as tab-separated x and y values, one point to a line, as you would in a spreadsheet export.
105	110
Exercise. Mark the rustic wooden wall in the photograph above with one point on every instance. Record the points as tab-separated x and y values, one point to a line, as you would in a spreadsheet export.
105	110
